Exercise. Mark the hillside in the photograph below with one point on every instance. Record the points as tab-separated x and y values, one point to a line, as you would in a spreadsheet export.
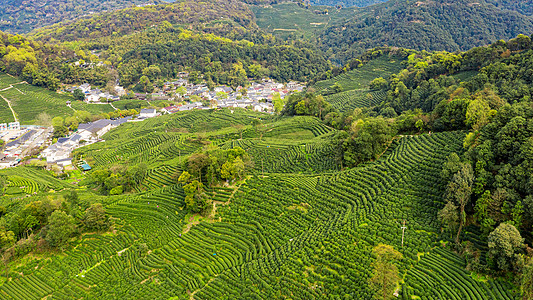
424	25
18	16
291	20
213	16
319	226
28	102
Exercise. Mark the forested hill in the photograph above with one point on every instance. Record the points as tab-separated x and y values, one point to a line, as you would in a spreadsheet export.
214	16
426	25
18	16
523	6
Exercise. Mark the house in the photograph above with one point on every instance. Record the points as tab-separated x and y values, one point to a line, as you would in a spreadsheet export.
94	129
120	90
64	162
13	126
147	113
85	167
85	87
92	97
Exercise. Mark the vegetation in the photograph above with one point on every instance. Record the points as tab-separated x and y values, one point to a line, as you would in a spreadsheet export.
427	25
22	17
397	173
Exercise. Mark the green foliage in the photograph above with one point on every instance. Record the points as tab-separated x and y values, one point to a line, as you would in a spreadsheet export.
95	218
78	95
385	276
306	105
369	27
505	245
367	140
60	228
527	281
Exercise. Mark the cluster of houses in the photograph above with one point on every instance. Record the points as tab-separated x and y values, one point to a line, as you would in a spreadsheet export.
9	126
258	96
87	133
20	142
96	95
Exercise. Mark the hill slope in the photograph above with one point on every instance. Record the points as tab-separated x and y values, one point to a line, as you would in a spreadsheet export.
18	16
425	25
320	226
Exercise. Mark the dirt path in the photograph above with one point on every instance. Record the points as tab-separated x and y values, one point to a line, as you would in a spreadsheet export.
9	104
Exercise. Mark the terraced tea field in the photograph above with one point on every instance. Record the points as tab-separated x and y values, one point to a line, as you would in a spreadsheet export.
296	228
29	101
349	100
277	236
285	18
360	78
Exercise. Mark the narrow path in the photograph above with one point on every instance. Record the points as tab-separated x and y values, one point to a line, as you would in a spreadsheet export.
9	104
71	107
111	103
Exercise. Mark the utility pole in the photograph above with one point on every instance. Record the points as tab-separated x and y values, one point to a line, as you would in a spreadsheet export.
403	231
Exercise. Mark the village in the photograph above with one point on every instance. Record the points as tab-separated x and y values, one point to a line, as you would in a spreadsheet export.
258	96
36	141
28	141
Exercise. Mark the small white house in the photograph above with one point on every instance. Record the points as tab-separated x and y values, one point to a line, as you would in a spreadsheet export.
148	113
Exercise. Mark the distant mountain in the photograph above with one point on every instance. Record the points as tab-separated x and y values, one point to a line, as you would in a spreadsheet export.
426	25
214	16
522	6
21	16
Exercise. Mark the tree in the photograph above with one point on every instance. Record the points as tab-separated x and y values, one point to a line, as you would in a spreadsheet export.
78	95
61	226
449	216
451	166
145	84
95	217
378	84
181	91
419	125
278	102
477	114
385	276
3	183
505	243
44	119
460	190
195	199
526	288
7	239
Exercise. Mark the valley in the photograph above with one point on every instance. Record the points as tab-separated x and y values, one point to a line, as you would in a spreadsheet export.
266	149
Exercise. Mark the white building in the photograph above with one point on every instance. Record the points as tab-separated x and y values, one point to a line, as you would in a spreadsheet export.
13	126
147	113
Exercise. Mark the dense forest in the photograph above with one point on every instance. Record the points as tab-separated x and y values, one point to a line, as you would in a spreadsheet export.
17	16
424	25
213	16
222	60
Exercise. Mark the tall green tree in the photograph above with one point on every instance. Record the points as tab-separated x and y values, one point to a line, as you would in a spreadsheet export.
60	228
95	217
526	287
505	244
385	275
460	190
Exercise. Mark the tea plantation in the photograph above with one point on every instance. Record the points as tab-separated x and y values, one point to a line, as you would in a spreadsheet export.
29	101
296	228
